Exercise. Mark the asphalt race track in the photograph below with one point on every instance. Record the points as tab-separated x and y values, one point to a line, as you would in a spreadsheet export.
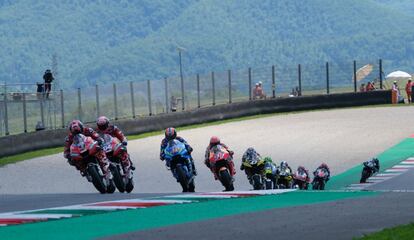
341	138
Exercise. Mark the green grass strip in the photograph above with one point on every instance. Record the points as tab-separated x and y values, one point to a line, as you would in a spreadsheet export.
120	222
389	158
403	232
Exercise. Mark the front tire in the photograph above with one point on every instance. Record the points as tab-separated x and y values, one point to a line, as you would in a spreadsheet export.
182	178
129	186
257	185
97	180
118	179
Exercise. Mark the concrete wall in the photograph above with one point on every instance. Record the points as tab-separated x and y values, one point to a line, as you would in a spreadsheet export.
52	138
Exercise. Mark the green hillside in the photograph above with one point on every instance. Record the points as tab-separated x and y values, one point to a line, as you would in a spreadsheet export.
107	41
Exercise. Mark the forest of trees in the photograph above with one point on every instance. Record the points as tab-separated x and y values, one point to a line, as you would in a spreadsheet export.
106	40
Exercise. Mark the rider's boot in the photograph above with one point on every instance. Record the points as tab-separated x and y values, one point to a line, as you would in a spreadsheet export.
104	163
126	165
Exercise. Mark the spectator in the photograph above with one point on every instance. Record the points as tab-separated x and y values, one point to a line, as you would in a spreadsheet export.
262	94
40	90
408	90
298	92
370	87
48	77
397	91
256	91
362	87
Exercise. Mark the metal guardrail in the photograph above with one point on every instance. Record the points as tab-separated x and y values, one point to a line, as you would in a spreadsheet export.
23	110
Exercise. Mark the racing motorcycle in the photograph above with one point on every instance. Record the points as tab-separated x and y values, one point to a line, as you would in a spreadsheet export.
254	166
178	161
301	179
319	180
370	167
113	147
219	159
82	153
285	179
270	175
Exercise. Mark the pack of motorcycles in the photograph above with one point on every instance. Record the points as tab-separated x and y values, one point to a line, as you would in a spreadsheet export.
263	174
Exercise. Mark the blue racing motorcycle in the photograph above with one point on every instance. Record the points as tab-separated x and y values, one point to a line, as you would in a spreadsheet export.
177	160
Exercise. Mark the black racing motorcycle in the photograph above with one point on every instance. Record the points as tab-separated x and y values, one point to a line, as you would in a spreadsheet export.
370	168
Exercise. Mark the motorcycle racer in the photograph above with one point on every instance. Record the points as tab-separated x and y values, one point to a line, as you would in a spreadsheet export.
77	127
170	134
214	141
325	167
249	154
105	127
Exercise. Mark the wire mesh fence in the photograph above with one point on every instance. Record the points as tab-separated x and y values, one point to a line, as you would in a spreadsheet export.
22	109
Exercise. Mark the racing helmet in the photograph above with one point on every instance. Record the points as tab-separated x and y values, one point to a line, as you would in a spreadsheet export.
214	140
102	122
324	165
170	133
283	164
76	126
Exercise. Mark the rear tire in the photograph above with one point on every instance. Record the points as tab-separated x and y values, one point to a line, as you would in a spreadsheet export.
226	180
97	179
182	178
118	179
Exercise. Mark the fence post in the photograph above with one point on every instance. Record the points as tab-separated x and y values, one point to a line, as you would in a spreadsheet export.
229	76
6	116
79	105
273	81
24	113
327	77
166	95
115	102
213	88
42	112
62	108
250	83
198	91
355	76
98	110
149	97
300	79
380	73
131	90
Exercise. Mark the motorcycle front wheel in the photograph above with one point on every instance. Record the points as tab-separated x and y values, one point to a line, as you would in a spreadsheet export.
182	178
97	179
117	177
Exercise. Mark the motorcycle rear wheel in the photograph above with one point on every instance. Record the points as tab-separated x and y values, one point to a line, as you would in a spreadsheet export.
226	180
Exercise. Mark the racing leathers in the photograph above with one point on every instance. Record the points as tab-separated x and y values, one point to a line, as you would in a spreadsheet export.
189	149
229	161
100	155
122	154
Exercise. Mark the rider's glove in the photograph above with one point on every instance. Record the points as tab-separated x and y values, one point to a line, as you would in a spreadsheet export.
124	143
162	157
231	153
189	149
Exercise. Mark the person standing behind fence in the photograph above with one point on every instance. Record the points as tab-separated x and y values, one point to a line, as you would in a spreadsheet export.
408	90
48	77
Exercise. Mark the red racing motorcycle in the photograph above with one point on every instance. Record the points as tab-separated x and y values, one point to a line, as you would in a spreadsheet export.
82	153
220	160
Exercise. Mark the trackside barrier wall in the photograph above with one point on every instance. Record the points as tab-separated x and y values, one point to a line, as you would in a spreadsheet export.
20	143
